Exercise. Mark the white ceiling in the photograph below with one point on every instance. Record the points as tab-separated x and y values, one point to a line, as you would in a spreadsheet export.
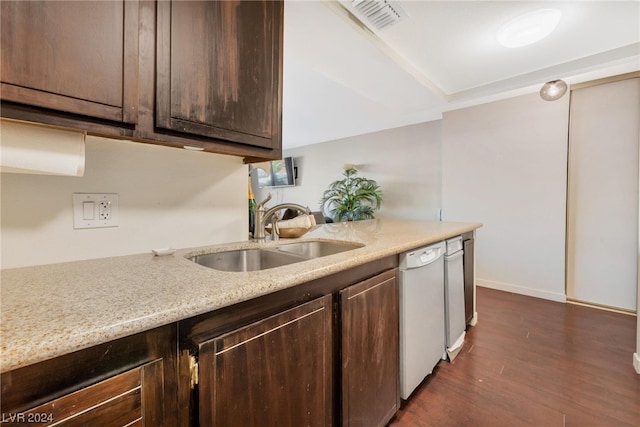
341	80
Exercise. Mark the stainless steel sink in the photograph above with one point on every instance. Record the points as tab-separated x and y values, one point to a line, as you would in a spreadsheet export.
276	256
317	248
245	260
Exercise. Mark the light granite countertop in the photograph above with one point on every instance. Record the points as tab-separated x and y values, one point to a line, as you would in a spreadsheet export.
50	310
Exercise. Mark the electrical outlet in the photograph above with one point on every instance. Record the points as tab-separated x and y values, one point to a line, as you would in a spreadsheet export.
92	210
104	210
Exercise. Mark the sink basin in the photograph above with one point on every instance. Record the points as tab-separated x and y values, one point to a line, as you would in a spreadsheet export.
276	256
245	260
316	249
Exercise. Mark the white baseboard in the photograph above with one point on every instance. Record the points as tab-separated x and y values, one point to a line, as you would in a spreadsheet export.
553	296
474	319
636	362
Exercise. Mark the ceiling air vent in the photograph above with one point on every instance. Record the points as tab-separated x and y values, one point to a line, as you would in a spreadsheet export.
376	14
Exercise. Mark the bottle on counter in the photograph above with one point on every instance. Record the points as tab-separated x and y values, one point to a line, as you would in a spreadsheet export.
252	210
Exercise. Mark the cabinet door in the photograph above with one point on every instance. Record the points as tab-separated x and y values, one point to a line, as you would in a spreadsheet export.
370	357
219	70
469	279
276	372
75	57
132	398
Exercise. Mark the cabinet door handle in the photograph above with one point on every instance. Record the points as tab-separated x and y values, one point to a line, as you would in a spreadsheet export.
193	372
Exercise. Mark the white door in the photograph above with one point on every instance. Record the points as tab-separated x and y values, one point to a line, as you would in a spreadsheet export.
602	225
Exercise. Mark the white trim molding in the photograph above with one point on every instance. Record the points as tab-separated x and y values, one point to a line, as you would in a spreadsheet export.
474	319
636	362
516	289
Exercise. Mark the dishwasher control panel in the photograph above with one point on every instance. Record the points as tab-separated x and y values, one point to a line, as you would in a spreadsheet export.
421	256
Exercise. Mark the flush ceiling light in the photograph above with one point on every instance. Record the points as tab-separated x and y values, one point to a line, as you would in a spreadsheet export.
555	89
528	28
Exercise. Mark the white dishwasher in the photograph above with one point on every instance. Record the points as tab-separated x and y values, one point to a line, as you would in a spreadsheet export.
422	315
454	296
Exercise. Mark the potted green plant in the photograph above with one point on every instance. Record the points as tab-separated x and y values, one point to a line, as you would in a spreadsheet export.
352	198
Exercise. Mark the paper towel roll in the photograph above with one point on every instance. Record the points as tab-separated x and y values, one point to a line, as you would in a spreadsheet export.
34	149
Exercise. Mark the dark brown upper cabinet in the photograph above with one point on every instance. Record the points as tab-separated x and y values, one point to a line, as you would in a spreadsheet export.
206	74
72	57
219	70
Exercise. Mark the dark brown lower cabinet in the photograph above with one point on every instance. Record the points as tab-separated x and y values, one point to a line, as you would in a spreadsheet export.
127	382
127	399
275	372
320	354
467	261
370	346
276	360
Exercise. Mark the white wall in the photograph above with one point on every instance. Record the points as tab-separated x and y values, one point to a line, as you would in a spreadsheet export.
168	198
406	163
504	164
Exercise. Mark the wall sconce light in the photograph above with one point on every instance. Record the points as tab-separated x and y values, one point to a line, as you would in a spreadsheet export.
555	89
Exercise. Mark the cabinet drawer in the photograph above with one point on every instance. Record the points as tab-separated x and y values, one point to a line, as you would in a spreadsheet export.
117	401
128	380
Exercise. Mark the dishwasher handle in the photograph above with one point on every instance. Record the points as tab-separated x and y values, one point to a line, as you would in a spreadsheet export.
453	256
429	256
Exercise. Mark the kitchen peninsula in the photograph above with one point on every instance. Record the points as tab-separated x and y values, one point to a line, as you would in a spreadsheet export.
60	311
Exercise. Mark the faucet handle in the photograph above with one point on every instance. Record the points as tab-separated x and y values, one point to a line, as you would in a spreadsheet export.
262	203
275	231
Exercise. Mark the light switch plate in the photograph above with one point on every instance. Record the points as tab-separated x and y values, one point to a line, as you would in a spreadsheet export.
95	210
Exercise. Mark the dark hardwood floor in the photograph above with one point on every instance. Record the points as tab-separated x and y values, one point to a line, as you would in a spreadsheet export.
533	362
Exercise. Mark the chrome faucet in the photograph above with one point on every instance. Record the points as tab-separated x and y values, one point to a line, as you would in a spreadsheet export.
262	216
